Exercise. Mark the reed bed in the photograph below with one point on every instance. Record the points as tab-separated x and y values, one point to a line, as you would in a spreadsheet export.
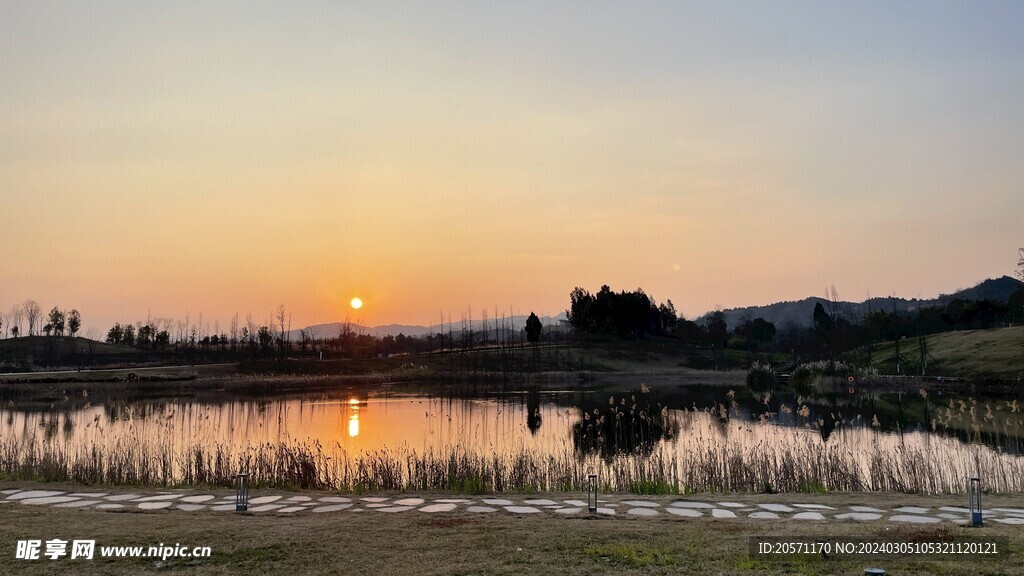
632	443
763	467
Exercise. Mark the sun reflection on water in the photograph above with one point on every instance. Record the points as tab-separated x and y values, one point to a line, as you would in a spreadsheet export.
353	419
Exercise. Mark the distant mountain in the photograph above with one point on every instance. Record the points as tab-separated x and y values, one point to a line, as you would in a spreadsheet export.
801	312
322	331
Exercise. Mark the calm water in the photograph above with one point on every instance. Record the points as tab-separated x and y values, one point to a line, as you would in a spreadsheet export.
690	426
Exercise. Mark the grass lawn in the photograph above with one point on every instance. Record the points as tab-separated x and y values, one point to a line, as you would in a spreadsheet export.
414	543
995	352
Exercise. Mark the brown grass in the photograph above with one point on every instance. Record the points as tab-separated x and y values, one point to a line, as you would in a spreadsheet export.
371	543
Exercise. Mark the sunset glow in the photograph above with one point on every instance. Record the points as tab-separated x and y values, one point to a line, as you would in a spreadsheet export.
186	159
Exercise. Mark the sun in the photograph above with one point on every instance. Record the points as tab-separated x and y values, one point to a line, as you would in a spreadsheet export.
356	303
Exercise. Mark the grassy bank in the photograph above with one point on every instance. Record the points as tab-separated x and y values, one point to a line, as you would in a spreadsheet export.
998	352
460	543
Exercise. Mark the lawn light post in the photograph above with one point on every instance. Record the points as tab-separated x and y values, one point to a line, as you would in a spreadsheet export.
241	492
592	492
974	499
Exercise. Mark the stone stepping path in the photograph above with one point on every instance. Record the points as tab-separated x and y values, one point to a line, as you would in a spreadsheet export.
610	505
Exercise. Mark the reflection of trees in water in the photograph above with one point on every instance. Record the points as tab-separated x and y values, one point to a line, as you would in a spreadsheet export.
533	419
620	430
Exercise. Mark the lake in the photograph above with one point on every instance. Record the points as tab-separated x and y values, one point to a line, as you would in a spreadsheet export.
666	438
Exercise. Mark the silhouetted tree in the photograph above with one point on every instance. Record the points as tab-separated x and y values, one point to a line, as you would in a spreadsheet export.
74	322
718	330
1016	305
756	332
56	319
578	314
533	328
667	318
265	339
628	315
115	334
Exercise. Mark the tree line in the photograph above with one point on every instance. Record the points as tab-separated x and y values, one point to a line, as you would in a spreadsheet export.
27	319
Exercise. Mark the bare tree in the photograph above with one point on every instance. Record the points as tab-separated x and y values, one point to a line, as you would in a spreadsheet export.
281	316
15	318
1020	264
234	332
483	327
33	313
92	338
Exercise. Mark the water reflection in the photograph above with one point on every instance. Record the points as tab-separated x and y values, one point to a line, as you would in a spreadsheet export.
676	422
353	419
615	431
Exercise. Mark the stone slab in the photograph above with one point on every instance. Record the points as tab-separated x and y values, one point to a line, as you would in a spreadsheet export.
34	494
861	516
266	508
78	504
522	509
1008	520
157	498
332	508
914	519
684	512
642	512
775	507
438	508
46	501
808	516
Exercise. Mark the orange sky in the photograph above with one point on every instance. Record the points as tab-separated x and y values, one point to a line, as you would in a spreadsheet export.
189	158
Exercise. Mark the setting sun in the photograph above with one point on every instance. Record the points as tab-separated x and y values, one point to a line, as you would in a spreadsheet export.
356	303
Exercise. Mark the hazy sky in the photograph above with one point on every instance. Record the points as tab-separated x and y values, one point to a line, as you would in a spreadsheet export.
432	156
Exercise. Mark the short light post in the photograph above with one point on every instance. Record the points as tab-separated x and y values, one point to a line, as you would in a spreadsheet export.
974	499
241	492
592	493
